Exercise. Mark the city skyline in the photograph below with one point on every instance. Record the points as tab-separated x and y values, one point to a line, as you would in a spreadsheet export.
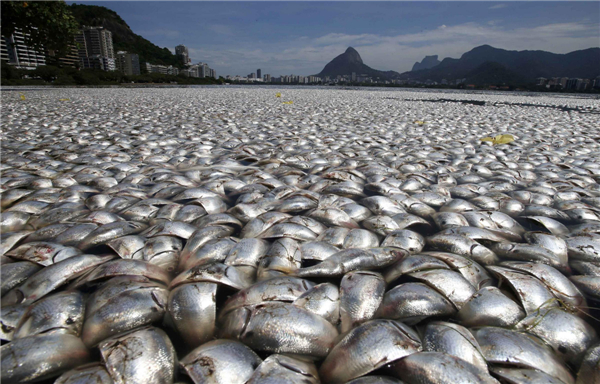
283	38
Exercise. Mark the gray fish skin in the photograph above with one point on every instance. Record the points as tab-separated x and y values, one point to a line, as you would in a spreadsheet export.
13	221
510	348
284	288
439	368
43	316
11	239
490	307
93	373
124	312
60	352
283	258
532	293
13	274
361	293
469	269
560	286
530	252
589	372
192	308
413	302
569	335
454	340
351	260
74	235
110	231
375	380
451	284
524	376
198	240
323	300
289	230
123	267
317	250
408	240
464	246
277	369
583	248
410	264
49	278
43	253
144	356
213	273
589	285
281	328
367	348
221	362
10	315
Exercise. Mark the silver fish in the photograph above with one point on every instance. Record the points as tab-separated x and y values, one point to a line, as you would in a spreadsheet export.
142	356
221	362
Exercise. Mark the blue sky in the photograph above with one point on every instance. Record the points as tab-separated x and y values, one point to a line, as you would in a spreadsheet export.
301	37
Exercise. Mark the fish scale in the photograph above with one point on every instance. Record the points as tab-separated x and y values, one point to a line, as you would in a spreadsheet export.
359	237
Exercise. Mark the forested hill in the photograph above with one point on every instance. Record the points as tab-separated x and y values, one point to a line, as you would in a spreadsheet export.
123	37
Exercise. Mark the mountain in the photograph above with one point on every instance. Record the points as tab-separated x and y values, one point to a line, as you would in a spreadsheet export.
350	61
428	62
511	67
123	37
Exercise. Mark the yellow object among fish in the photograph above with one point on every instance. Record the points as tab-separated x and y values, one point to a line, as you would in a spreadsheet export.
288	102
419	122
22	96
278	94
63	99
500	139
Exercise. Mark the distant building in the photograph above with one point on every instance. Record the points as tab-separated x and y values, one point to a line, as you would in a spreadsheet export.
181	51
68	59
563	82
572	83
267	78
258	74
15	52
155	68
541	81
353	76
98	62
128	63
95	48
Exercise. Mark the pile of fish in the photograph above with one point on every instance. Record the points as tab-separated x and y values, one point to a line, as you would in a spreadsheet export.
219	236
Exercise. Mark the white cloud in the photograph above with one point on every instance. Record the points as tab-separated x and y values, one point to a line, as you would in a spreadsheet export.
498	6
397	52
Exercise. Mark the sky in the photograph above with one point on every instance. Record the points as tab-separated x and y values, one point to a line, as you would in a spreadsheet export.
236	38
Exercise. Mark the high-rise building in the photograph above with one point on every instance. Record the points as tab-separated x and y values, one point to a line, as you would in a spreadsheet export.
95	41
15	52
128	63
267	78
258	74
181	51
68	59
95	48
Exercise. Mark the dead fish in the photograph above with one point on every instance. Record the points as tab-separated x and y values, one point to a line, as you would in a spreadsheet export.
145	355
59	352
367	348
280	328
221	361
351	260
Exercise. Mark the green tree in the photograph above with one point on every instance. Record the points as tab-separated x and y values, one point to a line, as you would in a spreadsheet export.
45	24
